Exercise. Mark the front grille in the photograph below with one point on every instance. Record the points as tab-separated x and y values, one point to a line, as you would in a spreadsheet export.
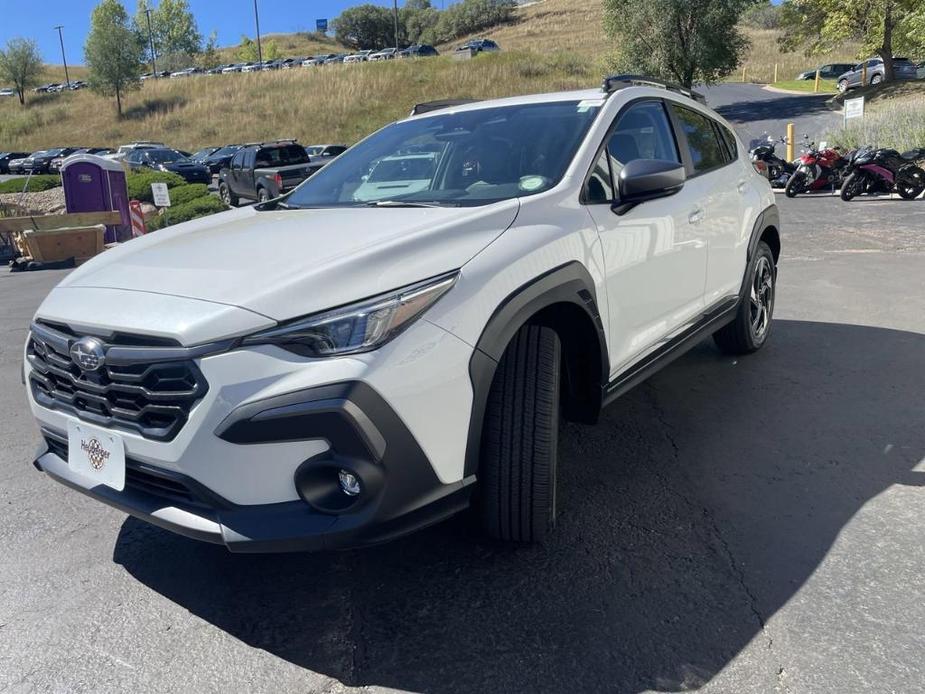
151	397
150	480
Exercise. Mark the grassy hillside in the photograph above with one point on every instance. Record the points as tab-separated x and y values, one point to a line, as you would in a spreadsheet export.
553	44
894	116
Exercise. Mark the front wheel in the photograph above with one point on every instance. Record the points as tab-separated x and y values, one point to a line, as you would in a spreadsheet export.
517	468
227	196
749	330
853	186
876	79
796	185
843	86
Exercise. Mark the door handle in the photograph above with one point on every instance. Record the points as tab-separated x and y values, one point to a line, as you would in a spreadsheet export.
695	217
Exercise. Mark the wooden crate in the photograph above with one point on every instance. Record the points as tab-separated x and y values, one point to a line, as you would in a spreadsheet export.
80	243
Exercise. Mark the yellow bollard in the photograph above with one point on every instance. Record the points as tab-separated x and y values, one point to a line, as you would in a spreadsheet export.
775	73
743	73
790	138
816	85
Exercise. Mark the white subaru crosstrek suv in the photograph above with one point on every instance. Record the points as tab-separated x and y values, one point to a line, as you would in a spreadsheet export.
348	363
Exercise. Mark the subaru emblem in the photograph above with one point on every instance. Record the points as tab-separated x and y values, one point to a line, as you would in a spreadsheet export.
88	353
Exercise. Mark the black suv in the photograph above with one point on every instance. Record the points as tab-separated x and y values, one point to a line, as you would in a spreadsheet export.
168	160
418	51
7	157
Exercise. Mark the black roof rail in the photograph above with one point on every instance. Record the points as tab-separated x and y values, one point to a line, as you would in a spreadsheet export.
281	141
616	82
429	106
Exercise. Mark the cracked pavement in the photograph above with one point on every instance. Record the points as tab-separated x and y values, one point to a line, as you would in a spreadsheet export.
732	525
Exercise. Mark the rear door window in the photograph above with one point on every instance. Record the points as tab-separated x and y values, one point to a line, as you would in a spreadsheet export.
703	144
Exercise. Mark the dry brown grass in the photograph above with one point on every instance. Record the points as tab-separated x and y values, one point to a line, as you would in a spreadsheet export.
765	52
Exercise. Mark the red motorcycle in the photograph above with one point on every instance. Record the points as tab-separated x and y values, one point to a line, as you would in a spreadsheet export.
818	169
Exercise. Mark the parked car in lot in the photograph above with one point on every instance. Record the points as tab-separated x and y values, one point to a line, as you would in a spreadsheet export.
336	59
324	151
7	92
220	158
829	71
200	156
384	54
45	88
55	165
478	46
903	69
237	67
319	60
168	160
264	171
40	162
17	166
327	370
418	51
7	157
358	57
187	72
132	146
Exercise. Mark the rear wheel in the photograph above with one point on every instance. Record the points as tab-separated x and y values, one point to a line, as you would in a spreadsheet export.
876	79
749	331
262	195
910	183
517	469
796	184
854	185
843	86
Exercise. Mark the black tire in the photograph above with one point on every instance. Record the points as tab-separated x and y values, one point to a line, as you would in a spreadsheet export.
517	469
843	86
227	196
263	195
876	79
910	182
853	186
749	332
796	185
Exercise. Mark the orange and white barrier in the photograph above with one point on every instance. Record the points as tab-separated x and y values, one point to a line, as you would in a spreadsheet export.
138	218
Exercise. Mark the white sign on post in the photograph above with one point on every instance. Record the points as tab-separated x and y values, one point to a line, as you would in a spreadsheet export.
160	194
854	108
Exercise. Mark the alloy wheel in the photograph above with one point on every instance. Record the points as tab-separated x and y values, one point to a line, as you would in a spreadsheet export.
762	299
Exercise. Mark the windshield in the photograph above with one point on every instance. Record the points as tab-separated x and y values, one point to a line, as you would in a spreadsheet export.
225	151
314	151
162	156
468	158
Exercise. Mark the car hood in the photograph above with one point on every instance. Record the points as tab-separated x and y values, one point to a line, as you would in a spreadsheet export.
288	263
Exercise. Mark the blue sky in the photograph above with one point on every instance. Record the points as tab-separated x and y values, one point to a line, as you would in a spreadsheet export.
230	18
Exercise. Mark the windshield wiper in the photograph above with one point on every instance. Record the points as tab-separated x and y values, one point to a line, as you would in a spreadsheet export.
403	203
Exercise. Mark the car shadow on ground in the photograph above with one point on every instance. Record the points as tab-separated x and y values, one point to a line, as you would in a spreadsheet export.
771	109
698	507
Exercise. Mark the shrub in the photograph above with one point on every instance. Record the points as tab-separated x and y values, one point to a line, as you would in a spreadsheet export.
200	207
186	193
36	184
139	184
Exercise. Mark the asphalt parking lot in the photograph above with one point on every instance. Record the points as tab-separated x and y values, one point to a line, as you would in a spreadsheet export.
749	525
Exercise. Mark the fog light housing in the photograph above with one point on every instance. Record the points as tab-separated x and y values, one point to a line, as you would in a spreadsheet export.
349	484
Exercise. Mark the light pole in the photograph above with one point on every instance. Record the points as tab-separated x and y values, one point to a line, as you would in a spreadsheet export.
257	22
395	5
151	44
67	80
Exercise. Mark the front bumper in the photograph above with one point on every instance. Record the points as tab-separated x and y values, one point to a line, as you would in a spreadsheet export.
400	490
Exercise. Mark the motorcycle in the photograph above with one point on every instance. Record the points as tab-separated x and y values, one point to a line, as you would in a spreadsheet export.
766	162
818	168
885	171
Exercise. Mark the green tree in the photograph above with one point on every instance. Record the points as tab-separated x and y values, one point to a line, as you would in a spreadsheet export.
113	52
419	20
884	27
682	40
21	65
247	50
365	26
472	16
174	32
210	57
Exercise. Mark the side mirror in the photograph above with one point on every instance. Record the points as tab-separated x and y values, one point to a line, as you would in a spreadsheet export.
647	179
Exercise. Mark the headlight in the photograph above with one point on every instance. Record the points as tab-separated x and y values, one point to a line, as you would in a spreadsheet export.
360	327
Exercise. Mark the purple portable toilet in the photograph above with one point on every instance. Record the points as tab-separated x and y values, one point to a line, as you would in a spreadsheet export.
97	184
